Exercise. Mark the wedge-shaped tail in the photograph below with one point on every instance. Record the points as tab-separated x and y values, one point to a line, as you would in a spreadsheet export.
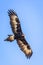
18	34
10	38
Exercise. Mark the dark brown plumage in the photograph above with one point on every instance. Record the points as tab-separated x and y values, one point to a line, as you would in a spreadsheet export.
18	34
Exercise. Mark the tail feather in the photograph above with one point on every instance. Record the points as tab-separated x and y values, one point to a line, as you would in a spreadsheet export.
10	38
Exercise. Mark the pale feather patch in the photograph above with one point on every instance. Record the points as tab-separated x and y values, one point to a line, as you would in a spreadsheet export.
11	37
24	48
14	23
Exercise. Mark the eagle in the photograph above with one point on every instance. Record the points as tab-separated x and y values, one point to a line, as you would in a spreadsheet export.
18	35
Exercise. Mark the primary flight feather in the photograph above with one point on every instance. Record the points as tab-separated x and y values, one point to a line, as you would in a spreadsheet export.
18	34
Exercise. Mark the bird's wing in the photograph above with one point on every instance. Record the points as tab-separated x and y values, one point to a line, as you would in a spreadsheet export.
18	25
25	47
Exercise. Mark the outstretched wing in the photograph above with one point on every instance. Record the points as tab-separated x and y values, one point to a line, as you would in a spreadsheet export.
25	47
14	22
18	34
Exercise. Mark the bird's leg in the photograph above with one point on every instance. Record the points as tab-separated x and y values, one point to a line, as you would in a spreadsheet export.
10	38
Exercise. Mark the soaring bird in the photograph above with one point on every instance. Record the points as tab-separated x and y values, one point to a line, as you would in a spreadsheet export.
18	34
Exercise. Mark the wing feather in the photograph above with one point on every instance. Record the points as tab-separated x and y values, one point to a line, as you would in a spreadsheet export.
16	29
25	47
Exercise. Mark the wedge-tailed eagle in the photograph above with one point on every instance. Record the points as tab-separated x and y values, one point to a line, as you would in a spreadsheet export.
18	34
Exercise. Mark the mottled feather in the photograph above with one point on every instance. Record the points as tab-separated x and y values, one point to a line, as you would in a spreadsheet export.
18	34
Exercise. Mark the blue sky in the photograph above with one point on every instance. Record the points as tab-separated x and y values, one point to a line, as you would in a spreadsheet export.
30	14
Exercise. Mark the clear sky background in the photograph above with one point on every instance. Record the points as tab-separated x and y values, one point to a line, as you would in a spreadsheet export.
30	13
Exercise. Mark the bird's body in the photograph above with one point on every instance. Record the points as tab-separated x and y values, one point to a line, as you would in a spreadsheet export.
18	34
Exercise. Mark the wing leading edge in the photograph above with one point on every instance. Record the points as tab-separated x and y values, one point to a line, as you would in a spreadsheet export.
18	34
